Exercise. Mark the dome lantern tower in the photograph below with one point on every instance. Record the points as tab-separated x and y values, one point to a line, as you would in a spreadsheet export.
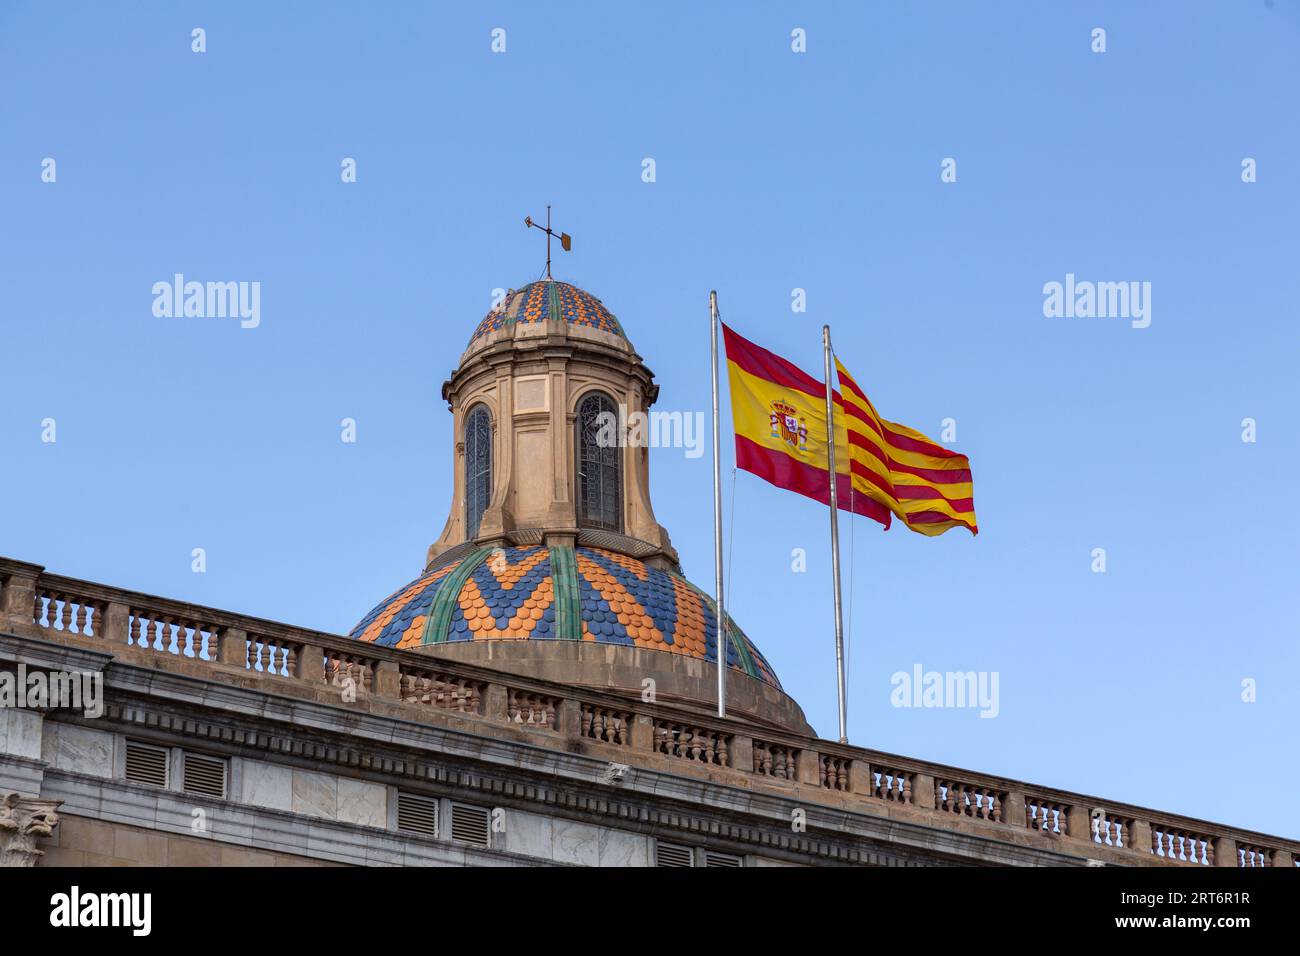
543	369
551	562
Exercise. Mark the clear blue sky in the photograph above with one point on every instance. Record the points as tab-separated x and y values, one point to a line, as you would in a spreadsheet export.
775	171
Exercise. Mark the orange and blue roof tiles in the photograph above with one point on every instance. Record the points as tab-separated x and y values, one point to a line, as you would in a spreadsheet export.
510	595
536	301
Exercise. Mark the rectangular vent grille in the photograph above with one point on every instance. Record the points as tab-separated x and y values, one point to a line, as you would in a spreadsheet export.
673	854
469	824
417	814
146	764
722	859
205	775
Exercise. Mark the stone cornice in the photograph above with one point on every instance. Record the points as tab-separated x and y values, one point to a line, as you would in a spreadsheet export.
508	353
156	703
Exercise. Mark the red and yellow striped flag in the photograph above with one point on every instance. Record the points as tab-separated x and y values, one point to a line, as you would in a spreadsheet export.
779	412
926	485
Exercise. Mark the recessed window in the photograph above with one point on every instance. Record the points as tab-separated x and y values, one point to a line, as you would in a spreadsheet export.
600	473
478	467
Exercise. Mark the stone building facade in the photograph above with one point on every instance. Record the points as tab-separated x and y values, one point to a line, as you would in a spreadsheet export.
542	693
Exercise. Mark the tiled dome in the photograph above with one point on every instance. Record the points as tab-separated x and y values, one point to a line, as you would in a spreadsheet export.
539	593
547	299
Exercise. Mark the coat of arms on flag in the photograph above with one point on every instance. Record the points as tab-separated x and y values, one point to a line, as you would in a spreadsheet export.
788	426
780	419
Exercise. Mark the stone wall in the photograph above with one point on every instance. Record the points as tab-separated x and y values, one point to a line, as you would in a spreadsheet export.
80	841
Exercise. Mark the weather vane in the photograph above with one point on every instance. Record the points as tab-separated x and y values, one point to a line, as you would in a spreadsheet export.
566	241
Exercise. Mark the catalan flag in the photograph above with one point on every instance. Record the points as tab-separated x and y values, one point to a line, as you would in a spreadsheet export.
779	413
925	484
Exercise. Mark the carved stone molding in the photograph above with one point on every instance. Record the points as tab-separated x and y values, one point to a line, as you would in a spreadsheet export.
24	820
768	834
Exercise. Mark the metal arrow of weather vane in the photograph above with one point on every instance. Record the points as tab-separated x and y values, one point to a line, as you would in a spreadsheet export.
566	241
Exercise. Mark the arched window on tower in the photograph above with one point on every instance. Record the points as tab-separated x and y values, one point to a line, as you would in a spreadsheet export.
600	471
478	467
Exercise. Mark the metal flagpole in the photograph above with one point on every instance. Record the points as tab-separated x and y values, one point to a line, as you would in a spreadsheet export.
835	534
718	605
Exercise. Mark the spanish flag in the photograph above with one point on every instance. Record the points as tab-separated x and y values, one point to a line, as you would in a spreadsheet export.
779	413
925	484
